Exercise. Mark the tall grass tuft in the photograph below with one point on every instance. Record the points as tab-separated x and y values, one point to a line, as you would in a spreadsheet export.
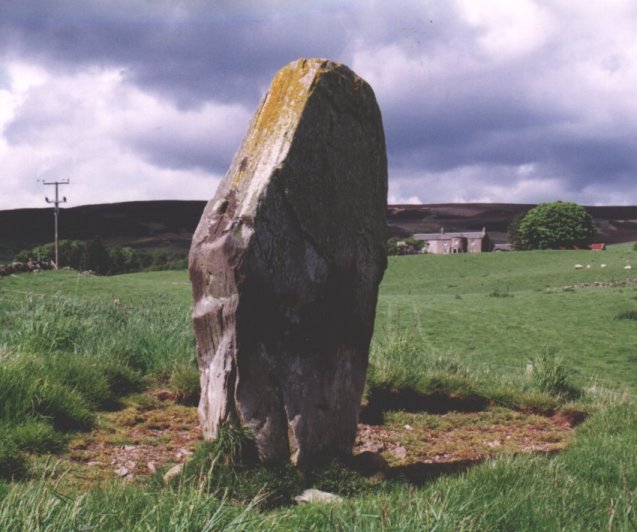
401	366
12	462
230	465
146	338
627	315
25	394
552	376
185	382
65	357
40	505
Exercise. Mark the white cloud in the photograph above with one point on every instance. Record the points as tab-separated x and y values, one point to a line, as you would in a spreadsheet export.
508	29
395	195
475	183
98	131
492	100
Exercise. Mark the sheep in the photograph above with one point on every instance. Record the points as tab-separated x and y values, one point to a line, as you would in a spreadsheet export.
579	267
602	265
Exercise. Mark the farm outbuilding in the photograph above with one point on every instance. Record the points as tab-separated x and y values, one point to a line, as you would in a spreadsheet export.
444	243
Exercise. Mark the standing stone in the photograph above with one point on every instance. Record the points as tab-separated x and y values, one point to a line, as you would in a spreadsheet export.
285	266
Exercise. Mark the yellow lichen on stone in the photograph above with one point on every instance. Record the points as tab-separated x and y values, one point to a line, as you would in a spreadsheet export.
280	109
279	113
286	99
274	126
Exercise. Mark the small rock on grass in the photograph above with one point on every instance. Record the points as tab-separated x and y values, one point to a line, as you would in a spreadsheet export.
314	495
399	452
122	471
173	472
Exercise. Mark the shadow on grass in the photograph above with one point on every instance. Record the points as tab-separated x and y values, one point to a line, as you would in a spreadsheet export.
383	399
420	473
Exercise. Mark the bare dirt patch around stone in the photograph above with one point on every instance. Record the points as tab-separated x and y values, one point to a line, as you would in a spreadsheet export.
153	433
407	438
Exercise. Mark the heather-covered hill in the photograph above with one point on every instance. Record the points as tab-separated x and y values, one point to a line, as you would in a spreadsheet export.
168	225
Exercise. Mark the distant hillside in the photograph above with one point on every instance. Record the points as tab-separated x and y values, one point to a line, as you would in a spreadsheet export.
140	224
616	224
169	224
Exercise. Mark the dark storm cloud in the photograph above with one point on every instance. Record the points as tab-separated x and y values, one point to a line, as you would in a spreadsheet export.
526	99
168	152
189	51
194	145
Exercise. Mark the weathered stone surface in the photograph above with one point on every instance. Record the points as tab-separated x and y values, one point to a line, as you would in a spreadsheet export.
285	266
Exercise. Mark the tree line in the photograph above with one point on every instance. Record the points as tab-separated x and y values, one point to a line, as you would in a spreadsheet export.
92	255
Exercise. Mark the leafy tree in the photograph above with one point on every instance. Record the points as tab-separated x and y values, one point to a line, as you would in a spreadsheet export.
70	252
556	225
124	260
95	257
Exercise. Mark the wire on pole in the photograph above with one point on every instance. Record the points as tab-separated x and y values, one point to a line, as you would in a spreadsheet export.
56	211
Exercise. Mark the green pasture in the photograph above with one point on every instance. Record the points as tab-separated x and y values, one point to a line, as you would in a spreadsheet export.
504	309
74	345
489	310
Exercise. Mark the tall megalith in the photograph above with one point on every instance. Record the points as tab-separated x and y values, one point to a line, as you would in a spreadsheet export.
285	266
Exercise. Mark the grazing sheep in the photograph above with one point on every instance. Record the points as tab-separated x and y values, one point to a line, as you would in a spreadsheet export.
588	266
579	267
628	267
602	265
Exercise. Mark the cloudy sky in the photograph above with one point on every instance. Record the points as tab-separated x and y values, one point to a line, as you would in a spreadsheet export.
482	100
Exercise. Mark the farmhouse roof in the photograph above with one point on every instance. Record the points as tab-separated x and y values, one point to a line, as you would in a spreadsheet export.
446	236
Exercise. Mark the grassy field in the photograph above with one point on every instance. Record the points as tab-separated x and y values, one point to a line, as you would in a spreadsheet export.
504	309
77	351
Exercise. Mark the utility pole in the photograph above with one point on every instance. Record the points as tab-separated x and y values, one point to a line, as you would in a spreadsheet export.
56	211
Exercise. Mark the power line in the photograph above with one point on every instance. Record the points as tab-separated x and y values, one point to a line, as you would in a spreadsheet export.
56	210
